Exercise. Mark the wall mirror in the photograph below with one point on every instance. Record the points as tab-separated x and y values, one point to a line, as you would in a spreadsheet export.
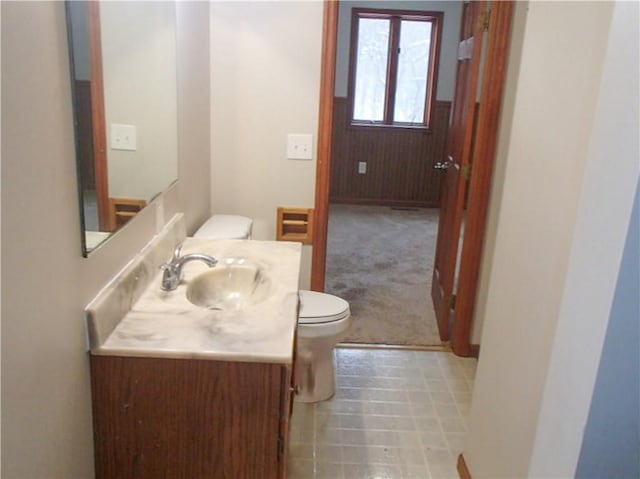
123	71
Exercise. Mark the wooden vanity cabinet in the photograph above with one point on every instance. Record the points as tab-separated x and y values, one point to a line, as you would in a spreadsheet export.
189	418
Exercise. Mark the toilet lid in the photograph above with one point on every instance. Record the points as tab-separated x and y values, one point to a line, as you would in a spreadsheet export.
225	227
321	308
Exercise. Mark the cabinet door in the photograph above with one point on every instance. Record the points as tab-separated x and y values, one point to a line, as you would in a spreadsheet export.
179	418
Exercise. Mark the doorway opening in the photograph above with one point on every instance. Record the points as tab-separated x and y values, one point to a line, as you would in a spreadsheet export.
391	111
454	311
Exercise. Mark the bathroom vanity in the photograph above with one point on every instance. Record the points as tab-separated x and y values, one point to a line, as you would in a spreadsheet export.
182	390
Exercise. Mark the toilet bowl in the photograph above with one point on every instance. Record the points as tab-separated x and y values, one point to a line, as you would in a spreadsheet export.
323	321
225	227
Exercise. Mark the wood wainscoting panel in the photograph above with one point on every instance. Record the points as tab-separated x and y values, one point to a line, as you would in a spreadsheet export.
399	160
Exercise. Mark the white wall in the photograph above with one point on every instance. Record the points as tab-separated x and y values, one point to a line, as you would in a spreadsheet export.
139	70
561	222
265	83
448	50
46	405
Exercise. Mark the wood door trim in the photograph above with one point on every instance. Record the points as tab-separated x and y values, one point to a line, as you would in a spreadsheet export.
325	131
463	470
480	182
98	116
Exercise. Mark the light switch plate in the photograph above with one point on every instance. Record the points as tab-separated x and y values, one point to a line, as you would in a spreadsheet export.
123	137
300	146
362	167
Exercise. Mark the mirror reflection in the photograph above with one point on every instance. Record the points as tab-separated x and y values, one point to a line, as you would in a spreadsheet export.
123	64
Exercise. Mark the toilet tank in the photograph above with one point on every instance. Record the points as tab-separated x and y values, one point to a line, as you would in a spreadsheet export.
225	227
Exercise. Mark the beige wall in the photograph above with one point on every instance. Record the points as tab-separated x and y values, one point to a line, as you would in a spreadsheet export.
543	321
194	119
46	415
265	82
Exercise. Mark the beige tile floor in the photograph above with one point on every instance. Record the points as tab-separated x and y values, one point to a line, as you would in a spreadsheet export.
396	414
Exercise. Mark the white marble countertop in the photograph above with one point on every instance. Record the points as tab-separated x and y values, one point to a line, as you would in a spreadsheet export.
167	324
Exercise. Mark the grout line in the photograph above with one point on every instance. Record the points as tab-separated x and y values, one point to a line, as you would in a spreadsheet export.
446	348
419	432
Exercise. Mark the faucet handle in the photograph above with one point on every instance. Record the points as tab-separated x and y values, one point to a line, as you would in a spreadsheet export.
165	266
176	252
168	265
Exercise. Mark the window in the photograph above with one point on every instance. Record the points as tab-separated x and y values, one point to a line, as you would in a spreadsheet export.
393	67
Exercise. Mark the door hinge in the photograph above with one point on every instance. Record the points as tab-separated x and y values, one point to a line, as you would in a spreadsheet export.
466	171
483	20
451	301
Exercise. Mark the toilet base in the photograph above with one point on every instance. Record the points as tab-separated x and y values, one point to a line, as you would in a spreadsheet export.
314	371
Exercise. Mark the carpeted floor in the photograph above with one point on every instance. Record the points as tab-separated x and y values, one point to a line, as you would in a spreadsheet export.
381	260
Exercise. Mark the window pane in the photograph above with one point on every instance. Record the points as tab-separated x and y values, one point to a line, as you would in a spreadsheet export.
371	69
413	69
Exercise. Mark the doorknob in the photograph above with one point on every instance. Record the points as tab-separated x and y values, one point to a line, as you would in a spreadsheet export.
444	165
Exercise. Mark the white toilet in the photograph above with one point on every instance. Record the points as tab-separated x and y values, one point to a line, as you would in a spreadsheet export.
323	320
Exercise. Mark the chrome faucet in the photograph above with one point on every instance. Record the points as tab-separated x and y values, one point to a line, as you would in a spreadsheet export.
173	268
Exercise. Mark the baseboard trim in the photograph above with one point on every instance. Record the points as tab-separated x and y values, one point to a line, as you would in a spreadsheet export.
437	348
463	470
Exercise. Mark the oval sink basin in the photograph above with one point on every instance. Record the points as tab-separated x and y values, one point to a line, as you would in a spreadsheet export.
231	285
